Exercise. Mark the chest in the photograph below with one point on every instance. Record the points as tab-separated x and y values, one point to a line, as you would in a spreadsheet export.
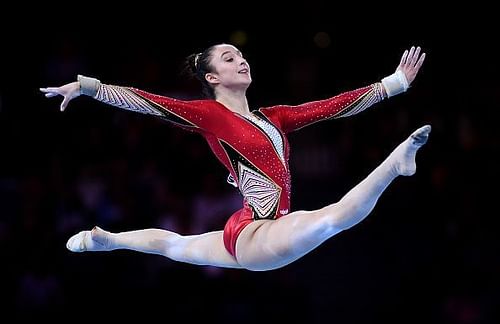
255	133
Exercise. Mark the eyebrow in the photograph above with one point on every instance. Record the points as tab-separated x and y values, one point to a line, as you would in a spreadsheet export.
229	52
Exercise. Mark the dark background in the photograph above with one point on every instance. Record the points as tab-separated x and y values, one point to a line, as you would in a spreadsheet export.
428	253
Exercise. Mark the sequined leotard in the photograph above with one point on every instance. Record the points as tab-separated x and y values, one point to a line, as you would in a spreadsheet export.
254	149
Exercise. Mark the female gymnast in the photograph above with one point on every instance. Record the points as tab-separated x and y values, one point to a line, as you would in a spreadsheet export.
264	234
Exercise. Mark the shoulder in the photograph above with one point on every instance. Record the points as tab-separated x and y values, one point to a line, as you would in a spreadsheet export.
205	102
269	110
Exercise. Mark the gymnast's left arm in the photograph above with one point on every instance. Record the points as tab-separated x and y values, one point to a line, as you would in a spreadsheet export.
352	102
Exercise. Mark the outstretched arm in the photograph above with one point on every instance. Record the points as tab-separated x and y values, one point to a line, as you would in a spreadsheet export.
188	114
352	102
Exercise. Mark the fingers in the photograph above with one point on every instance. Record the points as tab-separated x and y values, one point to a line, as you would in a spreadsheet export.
420	61
410	54
50	92
49	89
53	91
414	58
403	58
64	104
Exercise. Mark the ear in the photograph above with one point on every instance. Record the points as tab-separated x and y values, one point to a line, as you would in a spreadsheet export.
212	78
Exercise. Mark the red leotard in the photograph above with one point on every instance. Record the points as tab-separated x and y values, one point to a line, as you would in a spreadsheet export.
254	149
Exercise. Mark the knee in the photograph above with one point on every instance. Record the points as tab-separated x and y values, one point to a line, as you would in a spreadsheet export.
337	217
174	247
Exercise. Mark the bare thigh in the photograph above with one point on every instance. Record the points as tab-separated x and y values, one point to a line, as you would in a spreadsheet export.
202	249
271	244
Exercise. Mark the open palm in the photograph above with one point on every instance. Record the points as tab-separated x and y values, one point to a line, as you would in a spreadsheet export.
411	61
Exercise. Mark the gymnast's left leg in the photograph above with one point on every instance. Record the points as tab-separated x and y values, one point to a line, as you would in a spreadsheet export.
267	245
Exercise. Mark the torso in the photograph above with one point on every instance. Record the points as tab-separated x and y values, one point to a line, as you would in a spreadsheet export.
255	151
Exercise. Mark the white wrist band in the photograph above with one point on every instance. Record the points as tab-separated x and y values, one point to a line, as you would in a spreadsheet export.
395	83
88	86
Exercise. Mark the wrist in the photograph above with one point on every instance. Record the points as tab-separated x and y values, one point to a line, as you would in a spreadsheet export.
78	86
395	83
88	86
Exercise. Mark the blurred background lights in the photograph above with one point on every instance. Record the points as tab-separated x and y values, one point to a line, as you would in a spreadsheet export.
322	40
238	38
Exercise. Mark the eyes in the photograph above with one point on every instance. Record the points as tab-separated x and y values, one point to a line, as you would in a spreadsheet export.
232	58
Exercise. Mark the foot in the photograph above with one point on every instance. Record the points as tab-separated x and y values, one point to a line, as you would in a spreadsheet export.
95	240
403	157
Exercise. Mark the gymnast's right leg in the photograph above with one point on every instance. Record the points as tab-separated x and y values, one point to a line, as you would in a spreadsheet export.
203	249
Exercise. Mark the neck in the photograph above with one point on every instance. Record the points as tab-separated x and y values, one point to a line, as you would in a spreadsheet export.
235	101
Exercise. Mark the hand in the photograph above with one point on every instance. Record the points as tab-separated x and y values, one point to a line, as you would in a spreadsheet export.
69	91
411	63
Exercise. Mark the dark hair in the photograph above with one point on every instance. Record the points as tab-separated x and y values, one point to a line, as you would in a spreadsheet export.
197	65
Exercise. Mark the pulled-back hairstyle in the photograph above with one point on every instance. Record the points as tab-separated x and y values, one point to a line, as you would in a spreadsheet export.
197	65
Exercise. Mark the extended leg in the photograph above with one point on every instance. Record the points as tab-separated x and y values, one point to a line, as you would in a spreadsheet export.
268	245
203	249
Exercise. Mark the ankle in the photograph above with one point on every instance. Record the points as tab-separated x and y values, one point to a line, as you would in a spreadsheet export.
105	238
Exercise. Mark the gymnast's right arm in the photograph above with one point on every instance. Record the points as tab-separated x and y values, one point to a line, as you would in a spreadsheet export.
187	114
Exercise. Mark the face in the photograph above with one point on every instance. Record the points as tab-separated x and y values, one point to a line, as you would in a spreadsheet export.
230	69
